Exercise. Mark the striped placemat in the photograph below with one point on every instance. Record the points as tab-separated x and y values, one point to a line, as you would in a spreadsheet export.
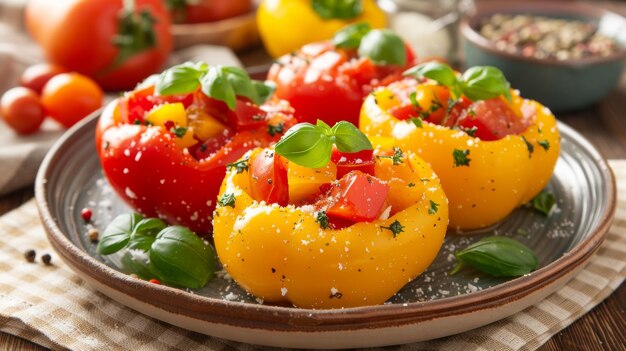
51	306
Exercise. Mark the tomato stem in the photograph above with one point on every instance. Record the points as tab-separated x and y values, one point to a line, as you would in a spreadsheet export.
135	33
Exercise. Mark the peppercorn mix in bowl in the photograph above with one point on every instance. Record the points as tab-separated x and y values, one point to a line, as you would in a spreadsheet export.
565	55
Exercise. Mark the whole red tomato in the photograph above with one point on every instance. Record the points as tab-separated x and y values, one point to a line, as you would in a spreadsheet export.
185	11
327	83
115	45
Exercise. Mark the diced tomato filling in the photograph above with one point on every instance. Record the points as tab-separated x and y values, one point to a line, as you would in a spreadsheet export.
488	120
356	197
135	105
347	162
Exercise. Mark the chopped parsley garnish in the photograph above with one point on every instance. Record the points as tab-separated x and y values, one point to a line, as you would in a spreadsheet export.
544	144
275	129
395	227
179	131
410	185
413	98
471	131
240	166
397	158
322	219
434	106
227	200
544	202
460	157
434	207
530	147
417	121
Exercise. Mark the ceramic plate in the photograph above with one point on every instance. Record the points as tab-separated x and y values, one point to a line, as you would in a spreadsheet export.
432	306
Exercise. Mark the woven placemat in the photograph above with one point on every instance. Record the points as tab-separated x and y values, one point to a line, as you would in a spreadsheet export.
53	307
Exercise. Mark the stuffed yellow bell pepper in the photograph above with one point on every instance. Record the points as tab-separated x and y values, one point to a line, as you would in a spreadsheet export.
351	231
492	149
287	25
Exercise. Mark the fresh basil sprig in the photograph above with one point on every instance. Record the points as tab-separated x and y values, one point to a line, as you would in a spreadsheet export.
543	202
498	256
117	234
311	145
337	9
351	35
382	46
477	83
222	83
177	256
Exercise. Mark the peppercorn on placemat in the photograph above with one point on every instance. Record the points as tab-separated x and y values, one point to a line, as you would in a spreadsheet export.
51	306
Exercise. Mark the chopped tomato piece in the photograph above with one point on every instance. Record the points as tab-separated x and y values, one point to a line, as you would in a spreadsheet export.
210	146
248	116
357	197
405	112
269	179
346	162
494	119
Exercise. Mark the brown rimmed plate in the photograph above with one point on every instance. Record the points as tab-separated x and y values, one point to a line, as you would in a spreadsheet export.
237	33
433	305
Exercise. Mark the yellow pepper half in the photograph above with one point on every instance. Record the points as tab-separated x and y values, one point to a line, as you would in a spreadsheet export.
500	175
282	254
287	25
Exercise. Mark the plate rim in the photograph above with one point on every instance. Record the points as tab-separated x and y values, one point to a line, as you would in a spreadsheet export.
281	318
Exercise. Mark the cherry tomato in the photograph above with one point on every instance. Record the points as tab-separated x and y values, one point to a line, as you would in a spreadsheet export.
357	197
207	10
36	76
69	97
353	161
101	39
21	109
269	179
319	73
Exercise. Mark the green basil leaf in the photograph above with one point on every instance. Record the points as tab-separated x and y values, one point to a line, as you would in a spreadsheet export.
179	257
149	226
437	71
144	233
350	36
216	85
485	82
180	79
136	261
117	234
337	9
499	256
543	202
226	83
383	47
349	138
307	145
264	90
241	83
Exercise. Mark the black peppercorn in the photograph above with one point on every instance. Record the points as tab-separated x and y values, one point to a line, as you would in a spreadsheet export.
46	259
30	255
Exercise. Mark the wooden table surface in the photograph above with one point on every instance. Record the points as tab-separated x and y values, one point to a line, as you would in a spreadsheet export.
603	328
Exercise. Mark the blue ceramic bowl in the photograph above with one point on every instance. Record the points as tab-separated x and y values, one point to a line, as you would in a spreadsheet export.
562	85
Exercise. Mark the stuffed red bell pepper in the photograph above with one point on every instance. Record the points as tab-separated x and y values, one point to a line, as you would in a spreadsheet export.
328	80
165	146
